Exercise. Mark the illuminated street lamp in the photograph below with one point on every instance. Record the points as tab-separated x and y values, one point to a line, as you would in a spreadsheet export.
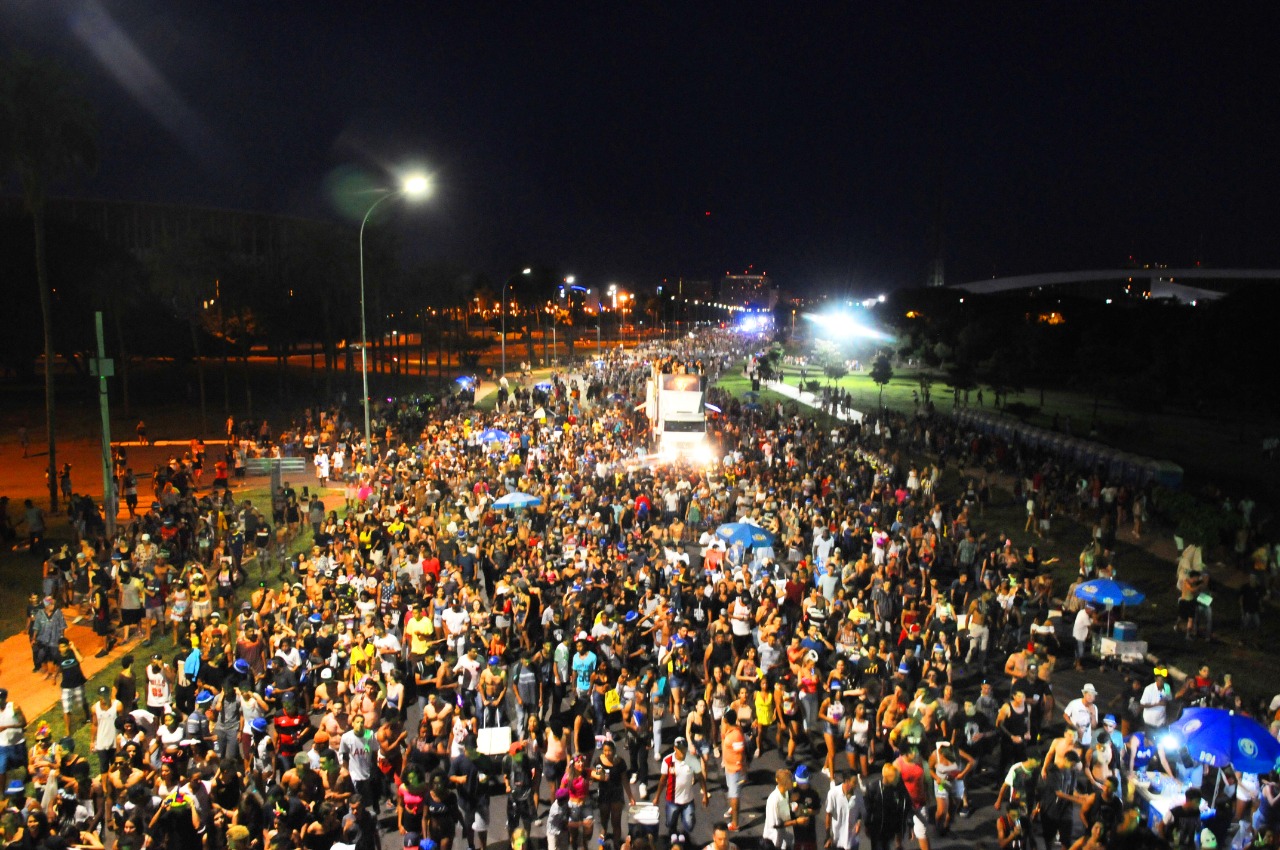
505	284
415	186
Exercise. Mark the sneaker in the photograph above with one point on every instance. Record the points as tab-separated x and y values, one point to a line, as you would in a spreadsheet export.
633	779
728	813
965	811
641	791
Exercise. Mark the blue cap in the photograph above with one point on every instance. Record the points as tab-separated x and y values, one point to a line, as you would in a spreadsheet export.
16	788
494	660
904	667
1110	718
241	666
204	698
268	691
834	686
802	774
259	724
631	617
315	618
428	844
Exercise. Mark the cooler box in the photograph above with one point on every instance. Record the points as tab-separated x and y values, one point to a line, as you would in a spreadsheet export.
643	820
1125	630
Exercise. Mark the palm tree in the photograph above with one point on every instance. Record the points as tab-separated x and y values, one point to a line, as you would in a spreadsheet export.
47	133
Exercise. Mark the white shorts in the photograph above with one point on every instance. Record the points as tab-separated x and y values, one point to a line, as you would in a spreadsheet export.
919	824
1247	790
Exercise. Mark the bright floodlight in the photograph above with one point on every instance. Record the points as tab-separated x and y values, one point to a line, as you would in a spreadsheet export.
527	271
845	325
570	279
416	186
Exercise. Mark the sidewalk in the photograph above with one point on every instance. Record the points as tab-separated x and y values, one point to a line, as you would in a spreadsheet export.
812	400
36	695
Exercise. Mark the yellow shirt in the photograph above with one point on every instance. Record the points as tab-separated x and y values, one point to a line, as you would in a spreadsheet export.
765	709
419	632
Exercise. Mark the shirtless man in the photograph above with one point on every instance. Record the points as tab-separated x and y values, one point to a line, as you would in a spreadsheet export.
438	713
1017	665
493	693
1058	749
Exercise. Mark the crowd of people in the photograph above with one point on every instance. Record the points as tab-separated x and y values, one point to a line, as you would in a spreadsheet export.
433	660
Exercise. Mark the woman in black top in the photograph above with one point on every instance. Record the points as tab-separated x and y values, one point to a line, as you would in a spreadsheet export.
610	775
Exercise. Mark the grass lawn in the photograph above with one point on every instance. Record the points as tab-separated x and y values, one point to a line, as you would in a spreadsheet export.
1216	450
257	570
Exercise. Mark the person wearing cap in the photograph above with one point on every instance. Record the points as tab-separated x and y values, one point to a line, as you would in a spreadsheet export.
493	693
806	805
1156	698
679	772
1082	714
47	627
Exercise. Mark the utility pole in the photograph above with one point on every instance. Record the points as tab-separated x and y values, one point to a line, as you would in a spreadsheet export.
104	368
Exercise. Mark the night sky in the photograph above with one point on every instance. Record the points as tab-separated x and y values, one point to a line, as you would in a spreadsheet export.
826	140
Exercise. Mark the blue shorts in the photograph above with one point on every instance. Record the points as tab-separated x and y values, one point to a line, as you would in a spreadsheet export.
13	757
734	783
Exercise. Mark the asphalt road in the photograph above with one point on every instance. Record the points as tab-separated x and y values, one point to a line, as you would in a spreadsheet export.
980	826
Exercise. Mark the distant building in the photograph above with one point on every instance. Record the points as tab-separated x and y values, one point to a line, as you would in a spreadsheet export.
748	290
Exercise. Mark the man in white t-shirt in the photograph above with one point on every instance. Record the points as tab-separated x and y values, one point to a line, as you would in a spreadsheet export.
1155	698
1082	714
680	771
456	622
1080	632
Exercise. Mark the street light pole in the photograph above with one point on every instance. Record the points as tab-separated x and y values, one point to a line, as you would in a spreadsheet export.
412	187
505	284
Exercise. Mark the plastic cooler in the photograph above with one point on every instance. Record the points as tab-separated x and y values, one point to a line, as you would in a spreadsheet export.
643	820
1125	630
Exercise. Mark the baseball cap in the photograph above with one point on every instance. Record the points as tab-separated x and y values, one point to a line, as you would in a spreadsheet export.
681	744
1089	689
802	774
1109	720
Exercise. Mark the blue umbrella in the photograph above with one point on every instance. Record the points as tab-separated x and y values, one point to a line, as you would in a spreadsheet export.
517	500
494	435
744	533
1105	591
545	386
1217	737
751	395
465	380
617	397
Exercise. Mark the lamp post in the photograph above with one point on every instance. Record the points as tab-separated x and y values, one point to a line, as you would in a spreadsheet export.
412	187
505	284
